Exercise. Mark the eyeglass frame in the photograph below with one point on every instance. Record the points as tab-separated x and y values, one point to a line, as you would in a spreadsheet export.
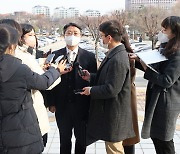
69	33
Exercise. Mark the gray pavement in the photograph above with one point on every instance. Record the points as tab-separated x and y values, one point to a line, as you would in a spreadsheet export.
144	147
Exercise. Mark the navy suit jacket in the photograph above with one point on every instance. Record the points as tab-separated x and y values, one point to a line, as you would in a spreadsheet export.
62	95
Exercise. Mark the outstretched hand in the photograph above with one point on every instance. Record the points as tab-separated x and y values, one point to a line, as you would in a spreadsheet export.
62	67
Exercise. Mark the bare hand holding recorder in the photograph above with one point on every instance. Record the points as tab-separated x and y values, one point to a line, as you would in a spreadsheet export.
59	63
61	66
80	69
62	60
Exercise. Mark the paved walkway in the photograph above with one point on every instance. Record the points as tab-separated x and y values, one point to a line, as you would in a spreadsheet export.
144	147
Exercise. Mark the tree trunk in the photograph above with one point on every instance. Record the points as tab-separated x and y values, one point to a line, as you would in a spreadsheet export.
96	50
96	53
153	42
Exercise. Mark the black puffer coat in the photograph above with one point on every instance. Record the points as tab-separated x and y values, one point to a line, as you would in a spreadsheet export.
19	130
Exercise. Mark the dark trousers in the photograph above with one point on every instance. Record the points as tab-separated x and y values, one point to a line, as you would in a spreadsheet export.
45	136
129	149
68	122
163	147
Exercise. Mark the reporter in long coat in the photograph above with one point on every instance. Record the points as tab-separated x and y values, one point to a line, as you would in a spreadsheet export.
110	116
163	91
28	39
19	133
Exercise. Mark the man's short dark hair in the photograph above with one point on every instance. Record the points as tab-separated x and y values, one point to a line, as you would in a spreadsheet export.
113	28
71	24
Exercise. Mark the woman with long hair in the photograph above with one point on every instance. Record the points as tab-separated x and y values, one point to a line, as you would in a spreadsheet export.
163	91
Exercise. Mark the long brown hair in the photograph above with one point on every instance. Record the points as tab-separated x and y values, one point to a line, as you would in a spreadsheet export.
173	45
125	41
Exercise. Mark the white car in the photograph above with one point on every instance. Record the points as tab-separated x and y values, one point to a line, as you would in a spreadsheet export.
138	46
87	33
41	43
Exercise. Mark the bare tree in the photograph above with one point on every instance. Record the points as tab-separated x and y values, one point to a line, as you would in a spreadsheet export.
92	24
176	9
120	16
151	27
148	20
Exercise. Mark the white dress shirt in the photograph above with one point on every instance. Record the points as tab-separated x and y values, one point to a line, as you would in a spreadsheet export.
72	54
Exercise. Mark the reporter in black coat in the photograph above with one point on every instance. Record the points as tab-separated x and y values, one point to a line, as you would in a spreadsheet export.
72	109
19	133
163	91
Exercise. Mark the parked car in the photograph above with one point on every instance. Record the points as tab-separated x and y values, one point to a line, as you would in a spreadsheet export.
53	38
138	46
86	33
41	43
46	39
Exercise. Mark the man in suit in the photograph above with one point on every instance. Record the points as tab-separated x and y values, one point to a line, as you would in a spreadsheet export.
71	110
110	117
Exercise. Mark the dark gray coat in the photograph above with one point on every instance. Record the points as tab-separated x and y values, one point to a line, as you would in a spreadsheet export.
19	129
162	99
110	117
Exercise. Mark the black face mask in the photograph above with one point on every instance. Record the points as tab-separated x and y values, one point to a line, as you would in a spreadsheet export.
30	50
39	54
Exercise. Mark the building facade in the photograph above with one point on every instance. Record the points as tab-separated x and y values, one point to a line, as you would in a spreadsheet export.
138	4
61	12
41	10
92	13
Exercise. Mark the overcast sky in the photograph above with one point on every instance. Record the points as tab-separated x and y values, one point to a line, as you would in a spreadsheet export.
9	6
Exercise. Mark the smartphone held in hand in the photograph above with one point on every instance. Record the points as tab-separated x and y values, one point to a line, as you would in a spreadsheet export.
78	91
49	59
58	59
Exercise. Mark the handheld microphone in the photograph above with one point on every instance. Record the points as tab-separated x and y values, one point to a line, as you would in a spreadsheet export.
80	69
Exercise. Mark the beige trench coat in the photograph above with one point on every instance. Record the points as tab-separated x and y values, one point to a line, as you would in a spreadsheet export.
135	139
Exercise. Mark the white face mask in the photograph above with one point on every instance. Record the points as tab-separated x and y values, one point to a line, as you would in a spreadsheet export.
102	44
30	41
72	40
163	38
